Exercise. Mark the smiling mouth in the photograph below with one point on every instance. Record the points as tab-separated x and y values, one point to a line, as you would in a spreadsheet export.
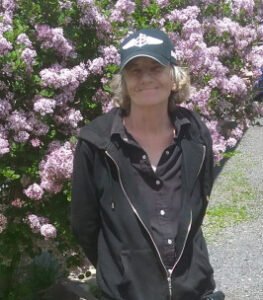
147	89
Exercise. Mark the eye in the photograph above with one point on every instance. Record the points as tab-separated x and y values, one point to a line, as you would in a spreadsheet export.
158	68
134	70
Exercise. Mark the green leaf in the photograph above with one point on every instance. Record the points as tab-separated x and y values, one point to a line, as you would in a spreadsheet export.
9	173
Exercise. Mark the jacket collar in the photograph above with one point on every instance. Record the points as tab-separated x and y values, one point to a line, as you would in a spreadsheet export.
119	129
102	132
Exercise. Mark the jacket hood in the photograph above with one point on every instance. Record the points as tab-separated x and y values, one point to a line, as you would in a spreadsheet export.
98	132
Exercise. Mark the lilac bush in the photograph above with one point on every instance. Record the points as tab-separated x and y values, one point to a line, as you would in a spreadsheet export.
56	61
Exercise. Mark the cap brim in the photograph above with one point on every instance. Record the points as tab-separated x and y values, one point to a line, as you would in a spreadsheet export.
160	59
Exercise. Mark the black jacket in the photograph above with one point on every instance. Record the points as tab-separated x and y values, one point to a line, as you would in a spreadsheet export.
113	229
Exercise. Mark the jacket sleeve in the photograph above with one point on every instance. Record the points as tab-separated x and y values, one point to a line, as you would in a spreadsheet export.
85	220
208	169
209	161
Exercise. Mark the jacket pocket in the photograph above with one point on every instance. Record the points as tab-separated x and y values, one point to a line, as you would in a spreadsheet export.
194	274
201	271
143	277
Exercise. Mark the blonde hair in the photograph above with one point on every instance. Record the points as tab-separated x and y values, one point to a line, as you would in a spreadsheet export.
179	76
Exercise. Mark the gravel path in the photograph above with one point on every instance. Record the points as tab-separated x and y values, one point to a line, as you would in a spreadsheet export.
237	252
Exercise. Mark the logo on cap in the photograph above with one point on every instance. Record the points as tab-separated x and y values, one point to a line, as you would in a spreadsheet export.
141	41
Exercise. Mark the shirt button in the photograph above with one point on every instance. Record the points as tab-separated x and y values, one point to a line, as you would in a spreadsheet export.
158	182
144	156
125	139
169	241
167	152
162	212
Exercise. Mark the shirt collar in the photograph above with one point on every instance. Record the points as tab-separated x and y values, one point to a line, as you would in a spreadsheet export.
119	129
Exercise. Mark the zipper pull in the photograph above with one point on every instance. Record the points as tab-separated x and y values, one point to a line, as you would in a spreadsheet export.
112	205
169	279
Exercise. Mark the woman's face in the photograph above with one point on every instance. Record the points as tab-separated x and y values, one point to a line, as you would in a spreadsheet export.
148	83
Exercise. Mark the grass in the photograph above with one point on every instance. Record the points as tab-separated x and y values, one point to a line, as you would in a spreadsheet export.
231	199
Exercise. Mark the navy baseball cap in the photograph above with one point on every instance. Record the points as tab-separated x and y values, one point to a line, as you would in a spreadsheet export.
152	43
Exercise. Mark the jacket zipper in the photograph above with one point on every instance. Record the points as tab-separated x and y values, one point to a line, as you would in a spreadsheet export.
168	272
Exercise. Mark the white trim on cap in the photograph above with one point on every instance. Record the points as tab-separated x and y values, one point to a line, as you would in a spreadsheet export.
143	55
141	41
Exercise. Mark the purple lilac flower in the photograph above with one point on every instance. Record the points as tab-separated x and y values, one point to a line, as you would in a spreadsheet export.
54	38
7	9
35	142
38	127
44	106
34	191
103	26
65	4
4	146
3	131
6	22
121	9
110	55
235	85
260	32
18	121
101	96
18	203
255	57
74	117
237	132
5	108
35	222
21	136
201	98
231	142
91	16
88	11
242	5
8	5
56	168
146	3
96	66
67	96
219	143
223	25
192	51
23	39
5	46
80	72
70	78
28	56
211	63
183	15
190	27
162	3
48	231
3	222
107	106
71	117
243	36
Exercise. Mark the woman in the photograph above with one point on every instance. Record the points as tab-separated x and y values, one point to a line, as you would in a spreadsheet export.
142	178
